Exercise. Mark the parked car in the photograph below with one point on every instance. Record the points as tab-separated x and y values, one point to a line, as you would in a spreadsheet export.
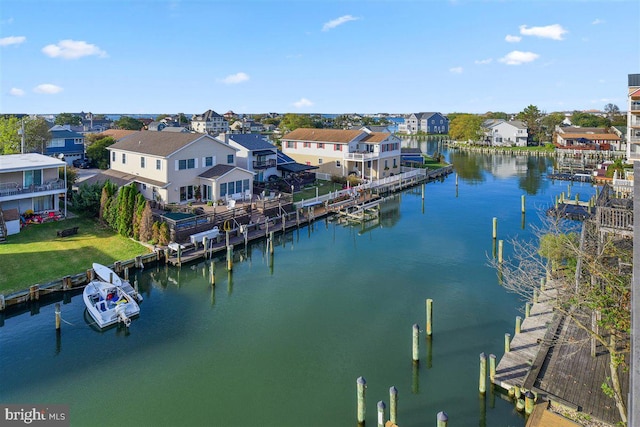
82	163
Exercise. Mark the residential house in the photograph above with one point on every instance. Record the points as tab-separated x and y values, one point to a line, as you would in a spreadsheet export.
210	123
585	138
172	167
633	117
31	182
361	152
65	144
411	156
431	123
156	126
507	133
255	154
621	131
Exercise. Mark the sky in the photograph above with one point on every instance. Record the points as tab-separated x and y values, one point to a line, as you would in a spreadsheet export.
309	56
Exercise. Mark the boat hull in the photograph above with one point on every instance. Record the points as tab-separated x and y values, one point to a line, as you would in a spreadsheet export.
109	304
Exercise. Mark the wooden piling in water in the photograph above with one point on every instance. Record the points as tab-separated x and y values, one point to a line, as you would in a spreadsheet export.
381	409
522	202
212	274
507	343
527	310
495	227
416	345
126	273
393	405
230	257
529	402
2	303
482	383
429	316
442	419
271	242
57	311
34	293
492	366
360	386
518	324
500	249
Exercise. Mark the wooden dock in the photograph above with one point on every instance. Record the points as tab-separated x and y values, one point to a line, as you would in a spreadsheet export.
551	356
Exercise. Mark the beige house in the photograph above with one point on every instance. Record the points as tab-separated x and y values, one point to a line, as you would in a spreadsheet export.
209	122
178	167
371	155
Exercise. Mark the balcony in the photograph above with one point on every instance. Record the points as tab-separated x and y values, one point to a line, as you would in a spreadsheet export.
264	164
635	107
11	190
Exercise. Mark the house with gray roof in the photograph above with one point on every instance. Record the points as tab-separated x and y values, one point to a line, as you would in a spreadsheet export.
210	123
431	123
511	133
174	167
65	144
255	154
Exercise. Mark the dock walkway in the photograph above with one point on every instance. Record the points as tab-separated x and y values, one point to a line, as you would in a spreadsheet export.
552	357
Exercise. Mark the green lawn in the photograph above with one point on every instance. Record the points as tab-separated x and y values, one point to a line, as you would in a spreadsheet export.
37	256
324	187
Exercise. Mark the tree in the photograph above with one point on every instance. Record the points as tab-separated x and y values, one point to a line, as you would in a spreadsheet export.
37	135
71	177
548	125
592	284
589	120
97	149
292	121
68	119
466	127
146	223
9	136
128	123
612	110
496	115
531	117
86	201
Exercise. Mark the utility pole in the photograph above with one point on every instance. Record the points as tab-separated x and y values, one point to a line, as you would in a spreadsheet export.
21	133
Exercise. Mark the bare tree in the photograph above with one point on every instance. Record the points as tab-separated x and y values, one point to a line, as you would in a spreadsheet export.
591	272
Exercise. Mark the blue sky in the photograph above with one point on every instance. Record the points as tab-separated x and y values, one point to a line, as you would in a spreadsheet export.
315	56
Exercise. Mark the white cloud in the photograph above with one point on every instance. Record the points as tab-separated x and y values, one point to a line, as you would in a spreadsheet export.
597	21
14	91
517	57
512	39
47	88
7	41
456	70
338	21
236	78
555	31
72	49
303	102
483	61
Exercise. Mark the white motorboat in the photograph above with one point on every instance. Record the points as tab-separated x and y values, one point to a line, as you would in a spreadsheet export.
109	304
107	275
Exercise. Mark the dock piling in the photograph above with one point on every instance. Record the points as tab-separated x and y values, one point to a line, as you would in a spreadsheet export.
381	409
495	227
482	384
126	273
442	419
230	257
416	345
527	310
522	203
492	366
393	405
518	324
500	250
361	385
57	311
507	343
429	316
529	401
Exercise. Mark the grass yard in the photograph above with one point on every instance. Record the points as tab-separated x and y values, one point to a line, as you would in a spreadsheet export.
37	255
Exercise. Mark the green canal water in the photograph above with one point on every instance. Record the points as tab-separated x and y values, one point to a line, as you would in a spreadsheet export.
282	341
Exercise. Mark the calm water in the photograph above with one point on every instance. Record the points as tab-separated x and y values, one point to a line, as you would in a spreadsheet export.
283	342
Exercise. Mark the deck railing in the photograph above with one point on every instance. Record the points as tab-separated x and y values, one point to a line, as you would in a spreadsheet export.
620	219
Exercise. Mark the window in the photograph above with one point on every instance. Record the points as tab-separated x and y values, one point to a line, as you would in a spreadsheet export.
144	186
337	147
386	164
33	177
124	158
158	164
395	165
338	163
230	159
291	144
306	145
320	145
245	185
142	162
208	161
319	161
78	141
186	193
56	143
238	186
231	187
113	156
186	164
223	189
